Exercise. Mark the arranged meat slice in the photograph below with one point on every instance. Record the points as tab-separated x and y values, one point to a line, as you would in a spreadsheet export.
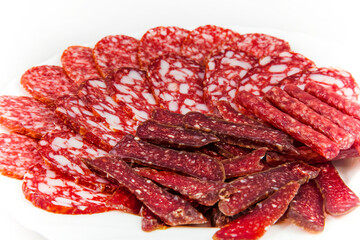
117	117
177	84
339	199
79	64
17	154
130	87
114	52
150	222
25	115
73	111
193	164
160	41
306	115
299	131
167	117
229	151
253	225
46	83
273	69
124	201
306	209
172	209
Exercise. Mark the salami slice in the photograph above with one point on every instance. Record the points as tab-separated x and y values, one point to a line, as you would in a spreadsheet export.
79	64
254	224
306	115
303	133
160	41
17	154
46	83
273	69
339	199
167	117
74	112
193	164
114	52
63	150
25	115
124	201
115	116
228	150
129	86
177	84
172	210
150	222
306	209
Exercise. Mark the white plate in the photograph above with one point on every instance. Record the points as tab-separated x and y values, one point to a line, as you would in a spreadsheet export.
117	225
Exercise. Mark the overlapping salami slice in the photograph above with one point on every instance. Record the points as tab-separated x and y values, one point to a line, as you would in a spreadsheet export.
114	52
193	164
160	41
253	225
150	222
252	188
79	64
46	83
115	116
25	115
223	74
306	209
273	69
63	150
299	131
124	201
177	84
340	81
17	154
167	117
73	111
129	86
339	199
306	115
228	150
172	210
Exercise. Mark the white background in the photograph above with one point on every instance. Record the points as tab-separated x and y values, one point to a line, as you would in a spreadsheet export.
33	31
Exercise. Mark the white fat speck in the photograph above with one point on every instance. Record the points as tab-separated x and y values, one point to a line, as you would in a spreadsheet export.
211	87
62	202
326	79
167	97
164	68
61	160
97	83
232	93
278	68
149	97
189	102
266	89
46	189
184	88
211	66
172	87
265	60
178	75
135	75
173	106
58	143
127	80
202	107
75	142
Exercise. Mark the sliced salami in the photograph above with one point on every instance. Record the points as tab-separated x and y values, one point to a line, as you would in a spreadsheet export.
46	83
160	41
25	115
114	52
150	222
273	69
130	87
124	201
79	64
177	84
167	117
17	154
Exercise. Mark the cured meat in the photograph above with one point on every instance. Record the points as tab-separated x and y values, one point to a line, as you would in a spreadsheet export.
172	210
63	150
252	188
248	136
273	69
201	41
114	52
218	219
124	201
254	224
130	87
223	74
204	192
51	191
46	83
339	199
303	133
228	150
79	64
25	115
17	154
115	116
160	41
339	81
193	164
150	222
306	209
306	115
334	99
243	165
167	117
74	113
177	137
177	84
